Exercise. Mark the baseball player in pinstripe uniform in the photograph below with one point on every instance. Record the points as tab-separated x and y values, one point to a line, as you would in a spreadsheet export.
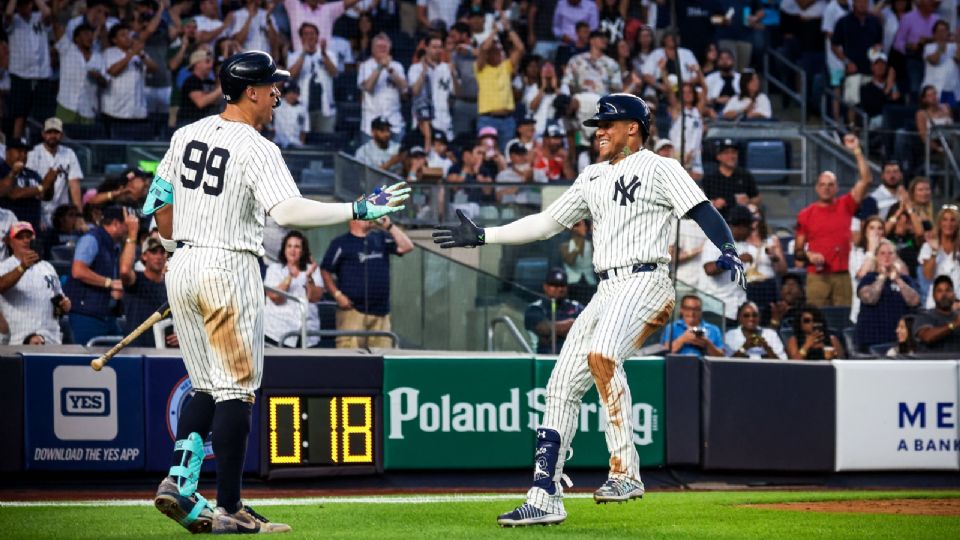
212	191
631	196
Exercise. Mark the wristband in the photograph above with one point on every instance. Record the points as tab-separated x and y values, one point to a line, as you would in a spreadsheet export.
338	294
803	352
107	283
20	268
952	327
40	189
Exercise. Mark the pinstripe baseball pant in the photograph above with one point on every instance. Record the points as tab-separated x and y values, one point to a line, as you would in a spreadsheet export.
623	313
216	297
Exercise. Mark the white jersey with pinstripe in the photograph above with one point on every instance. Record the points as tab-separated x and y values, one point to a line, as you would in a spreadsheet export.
225	178
631	203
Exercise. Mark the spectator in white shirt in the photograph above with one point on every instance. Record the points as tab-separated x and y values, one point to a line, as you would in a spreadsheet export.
382	81
97	16
670	57
431	85
81	76
124	98
724	83
751	103
253	27
380	151
320	13
291	122
440	156
429	11
29	63
53	159
315	66
749	340
940	64
210	26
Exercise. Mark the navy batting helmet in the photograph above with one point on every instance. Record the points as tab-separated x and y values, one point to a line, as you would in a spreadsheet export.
251	68
621	107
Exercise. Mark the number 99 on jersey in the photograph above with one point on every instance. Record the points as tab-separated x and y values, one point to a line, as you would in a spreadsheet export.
320	432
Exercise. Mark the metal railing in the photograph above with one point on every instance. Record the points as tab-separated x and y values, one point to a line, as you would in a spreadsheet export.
103	341
943	134
515	332
768	79
826	115
337	333
304	307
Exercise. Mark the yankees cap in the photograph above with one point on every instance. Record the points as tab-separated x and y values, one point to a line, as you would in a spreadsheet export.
556	277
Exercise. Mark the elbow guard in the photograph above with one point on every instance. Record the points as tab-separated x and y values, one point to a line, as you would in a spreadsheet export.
160	195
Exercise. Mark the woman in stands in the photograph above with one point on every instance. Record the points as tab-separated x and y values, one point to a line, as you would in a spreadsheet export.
642	48
861	259
749	340
293	276
751	103
938	256
931	114
812	338
906	344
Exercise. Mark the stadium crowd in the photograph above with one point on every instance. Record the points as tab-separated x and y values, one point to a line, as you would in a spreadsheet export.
487	95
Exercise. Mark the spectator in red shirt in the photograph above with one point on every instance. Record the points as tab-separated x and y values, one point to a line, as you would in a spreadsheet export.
551	156
823	233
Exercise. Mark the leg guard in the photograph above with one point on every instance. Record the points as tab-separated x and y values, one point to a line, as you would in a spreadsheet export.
545	460
187	473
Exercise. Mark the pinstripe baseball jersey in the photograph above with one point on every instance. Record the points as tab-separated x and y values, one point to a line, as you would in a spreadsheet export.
225	178
27	306
631	204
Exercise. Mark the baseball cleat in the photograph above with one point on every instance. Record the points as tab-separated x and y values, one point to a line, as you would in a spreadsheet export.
618	490
191	512
245	521
527	514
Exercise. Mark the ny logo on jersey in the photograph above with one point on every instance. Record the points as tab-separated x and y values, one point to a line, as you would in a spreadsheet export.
625	191
445	84
50	281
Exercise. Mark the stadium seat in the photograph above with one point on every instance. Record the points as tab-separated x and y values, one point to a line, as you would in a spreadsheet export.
529	272
766	155
837	317
314	181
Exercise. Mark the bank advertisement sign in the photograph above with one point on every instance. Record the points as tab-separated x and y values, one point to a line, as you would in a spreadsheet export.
897	415
80	419
456	413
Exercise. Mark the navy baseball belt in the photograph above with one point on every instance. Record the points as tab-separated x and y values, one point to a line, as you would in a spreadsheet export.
635	269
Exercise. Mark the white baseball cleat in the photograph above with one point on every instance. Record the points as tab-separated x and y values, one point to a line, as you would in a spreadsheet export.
618	490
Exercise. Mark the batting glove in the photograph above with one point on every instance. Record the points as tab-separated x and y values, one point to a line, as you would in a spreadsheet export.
467	234
729	260
383	201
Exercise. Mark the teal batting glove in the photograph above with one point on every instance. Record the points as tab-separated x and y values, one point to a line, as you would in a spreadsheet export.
382	202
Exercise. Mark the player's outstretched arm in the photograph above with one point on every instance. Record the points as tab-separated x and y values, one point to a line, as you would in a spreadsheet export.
719	233
298	212
525	230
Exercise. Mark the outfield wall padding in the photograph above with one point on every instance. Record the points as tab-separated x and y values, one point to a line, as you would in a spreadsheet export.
11	421
682	401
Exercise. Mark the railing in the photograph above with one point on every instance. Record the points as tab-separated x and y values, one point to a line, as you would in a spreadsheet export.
799	96
103	341
943	135
827	104
304	307
515	332
337	333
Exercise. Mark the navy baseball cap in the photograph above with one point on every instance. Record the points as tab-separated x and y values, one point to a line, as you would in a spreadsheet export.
16	143
380	122
740	215
440	136
726	143
136	172
417	151
556	277
553	130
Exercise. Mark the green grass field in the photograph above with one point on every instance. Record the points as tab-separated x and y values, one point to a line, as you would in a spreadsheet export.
668	514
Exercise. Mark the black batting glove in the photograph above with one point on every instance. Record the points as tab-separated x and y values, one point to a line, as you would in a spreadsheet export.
467	234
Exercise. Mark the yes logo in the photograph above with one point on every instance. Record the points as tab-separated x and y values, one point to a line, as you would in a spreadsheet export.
84	403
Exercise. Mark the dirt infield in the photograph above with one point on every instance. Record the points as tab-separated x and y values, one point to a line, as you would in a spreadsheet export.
904	507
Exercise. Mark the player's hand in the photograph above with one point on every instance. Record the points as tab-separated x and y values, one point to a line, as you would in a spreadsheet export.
467	234
730	261
383	201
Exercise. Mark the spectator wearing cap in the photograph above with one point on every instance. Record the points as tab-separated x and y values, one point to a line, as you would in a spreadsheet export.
94	285
440	156
823	233
31	299
664	148
320	13
718	282
200	95
431	85
382	80
414	163
724	83
314	67
729	184
81	77
690	334
21	188
145	290
568	13
55	160
553	315
941	59
854	35
29	61
128	190
380	151
593	71
495	104
356	272
475	168
291	123
124	99
881	90
551	156
519	171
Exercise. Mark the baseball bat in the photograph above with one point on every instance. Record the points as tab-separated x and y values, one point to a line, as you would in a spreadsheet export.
161	312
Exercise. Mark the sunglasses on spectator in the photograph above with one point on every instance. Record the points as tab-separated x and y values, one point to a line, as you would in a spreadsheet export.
750	314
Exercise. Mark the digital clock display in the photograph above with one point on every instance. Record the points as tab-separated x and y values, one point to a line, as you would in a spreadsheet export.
331	430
